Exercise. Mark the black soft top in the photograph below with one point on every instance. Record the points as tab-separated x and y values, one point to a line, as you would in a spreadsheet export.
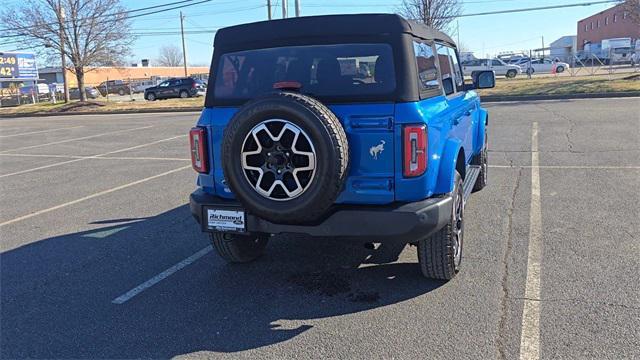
327	26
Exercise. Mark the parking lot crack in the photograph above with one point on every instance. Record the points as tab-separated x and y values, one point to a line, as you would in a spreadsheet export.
502	324
569	132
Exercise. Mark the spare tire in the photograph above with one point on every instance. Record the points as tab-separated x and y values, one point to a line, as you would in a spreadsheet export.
285	157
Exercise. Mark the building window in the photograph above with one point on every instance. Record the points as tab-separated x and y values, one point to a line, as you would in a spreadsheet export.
606	21
586	27
624	16
592	25
615	17
598	23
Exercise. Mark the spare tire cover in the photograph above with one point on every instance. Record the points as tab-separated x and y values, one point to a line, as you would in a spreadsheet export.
285	157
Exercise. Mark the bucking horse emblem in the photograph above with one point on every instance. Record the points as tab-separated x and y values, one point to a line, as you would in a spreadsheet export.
374	151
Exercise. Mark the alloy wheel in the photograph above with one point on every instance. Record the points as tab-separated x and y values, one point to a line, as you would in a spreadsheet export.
278	159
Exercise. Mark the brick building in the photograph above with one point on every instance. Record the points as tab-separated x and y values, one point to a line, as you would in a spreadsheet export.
615	22
97	75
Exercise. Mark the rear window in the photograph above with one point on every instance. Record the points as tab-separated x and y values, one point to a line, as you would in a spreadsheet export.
320	70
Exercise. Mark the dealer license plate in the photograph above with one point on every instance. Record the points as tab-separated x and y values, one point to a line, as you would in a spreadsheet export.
226	220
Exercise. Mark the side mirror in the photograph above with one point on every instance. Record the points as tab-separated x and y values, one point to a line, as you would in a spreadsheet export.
484	79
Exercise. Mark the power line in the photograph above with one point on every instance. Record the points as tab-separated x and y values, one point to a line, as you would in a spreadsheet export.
190	3
532	9
164	33
228	11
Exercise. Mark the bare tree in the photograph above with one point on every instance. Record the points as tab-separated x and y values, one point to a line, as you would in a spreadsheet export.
91	32
437	14
170	55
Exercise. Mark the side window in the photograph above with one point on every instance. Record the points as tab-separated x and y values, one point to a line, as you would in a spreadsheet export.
446	69
456	69
426	65
496	63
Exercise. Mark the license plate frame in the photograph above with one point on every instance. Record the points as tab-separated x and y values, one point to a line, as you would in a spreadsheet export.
224	219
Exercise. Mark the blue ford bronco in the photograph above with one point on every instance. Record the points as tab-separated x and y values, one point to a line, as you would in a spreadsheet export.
352	126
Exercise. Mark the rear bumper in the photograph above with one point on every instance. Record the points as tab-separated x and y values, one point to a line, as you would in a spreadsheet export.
408	222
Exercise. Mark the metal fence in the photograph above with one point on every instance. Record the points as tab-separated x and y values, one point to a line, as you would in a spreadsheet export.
127	89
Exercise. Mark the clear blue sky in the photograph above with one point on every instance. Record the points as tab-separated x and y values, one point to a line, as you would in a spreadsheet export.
482	34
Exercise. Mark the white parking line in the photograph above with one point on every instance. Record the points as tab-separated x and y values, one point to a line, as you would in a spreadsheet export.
161	276
41	131
530	338
622	167
88	197
96	157
75	139
87	157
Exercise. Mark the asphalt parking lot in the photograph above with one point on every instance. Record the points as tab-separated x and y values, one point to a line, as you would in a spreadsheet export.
100	257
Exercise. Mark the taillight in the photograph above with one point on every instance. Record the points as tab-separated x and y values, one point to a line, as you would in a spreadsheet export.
194	85
197	138
415	150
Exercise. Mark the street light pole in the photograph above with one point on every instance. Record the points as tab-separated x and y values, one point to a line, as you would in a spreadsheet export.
63	61
284	9
297	3
269	9
184	49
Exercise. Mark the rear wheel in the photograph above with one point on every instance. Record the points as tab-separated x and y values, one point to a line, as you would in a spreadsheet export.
511	74
235	248
121	92
151	96
560	69
440	254
184	94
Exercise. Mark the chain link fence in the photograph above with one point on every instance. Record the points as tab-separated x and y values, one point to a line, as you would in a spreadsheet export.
111	90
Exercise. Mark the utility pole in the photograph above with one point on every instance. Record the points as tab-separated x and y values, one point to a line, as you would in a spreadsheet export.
269	9
542	46
63	60
458	30
284	9
184	49
297	3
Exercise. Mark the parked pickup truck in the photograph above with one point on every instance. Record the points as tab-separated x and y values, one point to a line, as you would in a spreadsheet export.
291	140
498	66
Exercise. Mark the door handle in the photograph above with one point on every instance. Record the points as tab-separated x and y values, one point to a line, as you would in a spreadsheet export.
456	121
467	113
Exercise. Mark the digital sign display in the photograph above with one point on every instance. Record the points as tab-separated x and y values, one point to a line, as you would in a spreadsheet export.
18	65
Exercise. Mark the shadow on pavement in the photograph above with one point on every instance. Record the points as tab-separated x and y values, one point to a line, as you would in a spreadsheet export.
57	292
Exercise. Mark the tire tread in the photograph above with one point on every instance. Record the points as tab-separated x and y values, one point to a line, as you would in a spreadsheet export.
237	250
435	253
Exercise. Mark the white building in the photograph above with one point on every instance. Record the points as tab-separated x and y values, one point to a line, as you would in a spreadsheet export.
563	48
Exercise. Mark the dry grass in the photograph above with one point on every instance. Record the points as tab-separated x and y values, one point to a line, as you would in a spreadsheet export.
103	107
565	85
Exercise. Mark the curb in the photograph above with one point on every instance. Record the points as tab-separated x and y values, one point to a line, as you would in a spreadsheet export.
485	98
504	98
116	112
